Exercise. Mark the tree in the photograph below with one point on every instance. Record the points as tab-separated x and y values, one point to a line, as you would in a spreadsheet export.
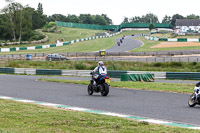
167	19
39	19
87	19
10	12
108	20
100	20
73	18
136	19
192	16
125	20
150	18
40	8
174	17
151	26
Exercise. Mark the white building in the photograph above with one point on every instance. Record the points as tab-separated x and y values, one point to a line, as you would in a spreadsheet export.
187	25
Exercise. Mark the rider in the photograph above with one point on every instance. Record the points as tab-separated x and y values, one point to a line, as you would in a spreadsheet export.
101	70
196	88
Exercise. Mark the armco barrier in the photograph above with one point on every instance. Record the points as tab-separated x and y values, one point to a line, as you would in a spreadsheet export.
27	71
76	73
112	74
183	75
48	72
173	39
116	74
182	40
7	70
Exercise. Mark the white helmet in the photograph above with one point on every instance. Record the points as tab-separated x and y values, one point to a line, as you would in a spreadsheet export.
100	63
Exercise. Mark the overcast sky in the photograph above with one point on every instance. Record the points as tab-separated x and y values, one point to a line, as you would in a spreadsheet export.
115	9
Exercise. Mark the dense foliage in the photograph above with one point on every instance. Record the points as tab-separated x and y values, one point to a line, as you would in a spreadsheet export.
17	22
152	18
82	18
117	65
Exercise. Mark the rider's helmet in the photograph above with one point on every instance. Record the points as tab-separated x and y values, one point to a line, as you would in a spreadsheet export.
100	63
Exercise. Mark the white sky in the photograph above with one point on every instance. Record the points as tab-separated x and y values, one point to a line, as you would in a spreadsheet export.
115	9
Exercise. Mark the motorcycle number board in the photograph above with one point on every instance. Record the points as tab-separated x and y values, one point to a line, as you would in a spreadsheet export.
107	81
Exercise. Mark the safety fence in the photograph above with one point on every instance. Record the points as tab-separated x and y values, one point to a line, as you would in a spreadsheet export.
55	45
111	27
112	74
84	73
183	75
173	39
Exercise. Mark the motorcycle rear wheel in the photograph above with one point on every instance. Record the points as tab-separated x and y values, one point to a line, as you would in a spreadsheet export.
105	90
90	90
191	101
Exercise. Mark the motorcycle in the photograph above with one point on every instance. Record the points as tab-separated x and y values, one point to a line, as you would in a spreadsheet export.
99	85
194	98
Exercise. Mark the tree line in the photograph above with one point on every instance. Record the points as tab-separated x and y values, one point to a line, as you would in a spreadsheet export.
152	18
18	22
82	18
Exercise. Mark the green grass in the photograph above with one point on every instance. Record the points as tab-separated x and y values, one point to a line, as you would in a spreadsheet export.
111	65
153	86
149	43
166	35
74	33
68	34
20	117
171	35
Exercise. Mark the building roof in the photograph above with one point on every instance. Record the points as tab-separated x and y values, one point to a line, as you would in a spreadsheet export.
187	22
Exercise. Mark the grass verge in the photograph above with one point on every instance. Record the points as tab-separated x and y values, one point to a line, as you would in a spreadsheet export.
149	43
153	86
74	33
111	65
20	117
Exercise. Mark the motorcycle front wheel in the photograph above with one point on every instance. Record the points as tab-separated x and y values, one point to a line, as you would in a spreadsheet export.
105	90
90	90
191	101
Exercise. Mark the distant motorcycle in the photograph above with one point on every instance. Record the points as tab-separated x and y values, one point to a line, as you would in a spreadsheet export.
99	85
194	98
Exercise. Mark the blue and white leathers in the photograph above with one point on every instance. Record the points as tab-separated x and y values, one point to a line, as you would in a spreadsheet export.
101	69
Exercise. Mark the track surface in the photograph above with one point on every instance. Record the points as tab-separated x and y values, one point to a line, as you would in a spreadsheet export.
157	105
127	44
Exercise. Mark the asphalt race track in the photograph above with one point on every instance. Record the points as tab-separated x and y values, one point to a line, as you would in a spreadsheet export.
128	43
157	105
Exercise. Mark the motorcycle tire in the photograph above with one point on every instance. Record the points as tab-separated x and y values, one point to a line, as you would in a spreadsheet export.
191	102
105	90
90	90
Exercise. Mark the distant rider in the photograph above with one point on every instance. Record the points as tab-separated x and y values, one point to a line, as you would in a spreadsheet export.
101	69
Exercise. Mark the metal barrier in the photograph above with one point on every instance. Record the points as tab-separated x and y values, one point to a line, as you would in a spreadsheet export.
81	73
183	75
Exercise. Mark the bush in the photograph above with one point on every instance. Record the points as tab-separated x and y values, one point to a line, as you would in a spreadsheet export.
36	36
176	64
157	64
51	24
80	66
